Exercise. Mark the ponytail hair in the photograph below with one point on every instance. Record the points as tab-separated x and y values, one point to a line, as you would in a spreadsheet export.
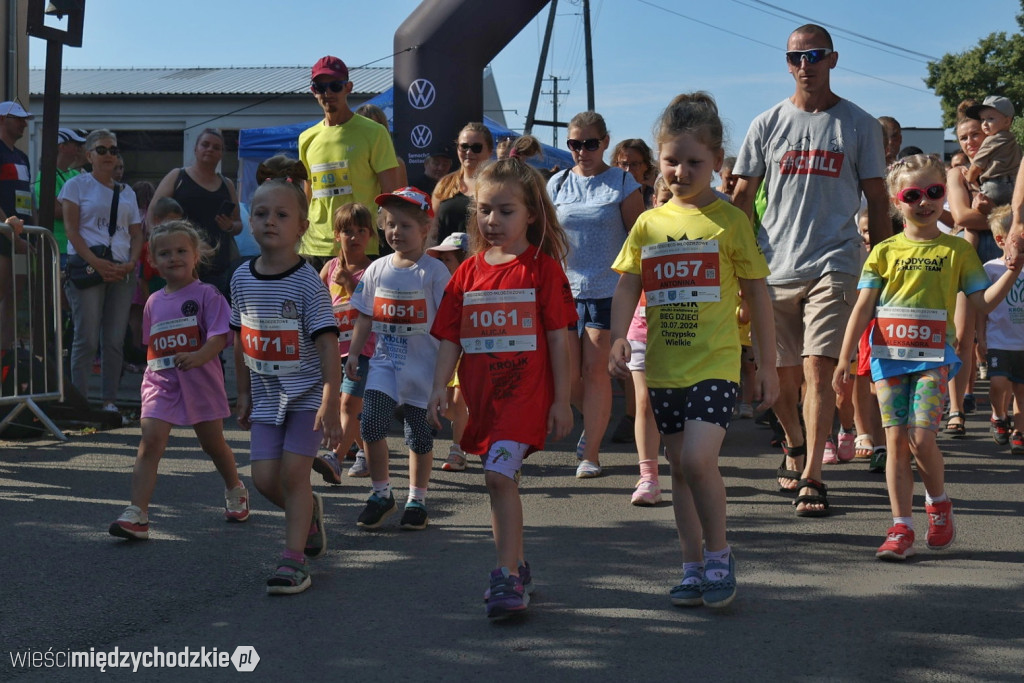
283	171
695	113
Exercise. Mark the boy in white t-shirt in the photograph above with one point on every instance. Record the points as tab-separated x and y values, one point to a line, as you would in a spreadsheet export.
1003	337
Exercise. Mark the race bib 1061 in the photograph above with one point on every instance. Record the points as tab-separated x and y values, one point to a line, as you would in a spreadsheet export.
682	271
499	321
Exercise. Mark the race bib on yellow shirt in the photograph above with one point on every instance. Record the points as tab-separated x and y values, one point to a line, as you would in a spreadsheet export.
500	320
169	338
330	179
913	334
270	346
683	271
400	313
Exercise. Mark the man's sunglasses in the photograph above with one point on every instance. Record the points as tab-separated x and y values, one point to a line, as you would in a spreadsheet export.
590	144
103	151
475	148
912	195
814	56
333	86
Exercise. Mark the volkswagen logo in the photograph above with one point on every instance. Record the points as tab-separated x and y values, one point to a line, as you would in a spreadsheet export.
422	93
421	136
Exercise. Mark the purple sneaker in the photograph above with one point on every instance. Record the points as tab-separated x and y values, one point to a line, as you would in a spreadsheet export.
507	595
525	577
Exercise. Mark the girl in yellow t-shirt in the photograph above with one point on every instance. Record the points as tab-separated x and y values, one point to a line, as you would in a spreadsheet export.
691	257
909	285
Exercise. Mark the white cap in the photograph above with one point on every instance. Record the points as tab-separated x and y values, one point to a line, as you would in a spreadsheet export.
14	109
68	135
453	242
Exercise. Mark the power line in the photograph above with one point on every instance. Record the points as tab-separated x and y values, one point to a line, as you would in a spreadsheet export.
271	98
775	47
852	33
852	40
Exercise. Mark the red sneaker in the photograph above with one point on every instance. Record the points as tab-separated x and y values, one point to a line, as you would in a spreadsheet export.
941	531
899	544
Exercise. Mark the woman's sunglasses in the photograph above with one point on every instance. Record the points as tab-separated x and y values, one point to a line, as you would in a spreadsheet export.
333	86
912	195
814	56
103	151
475	148
590	144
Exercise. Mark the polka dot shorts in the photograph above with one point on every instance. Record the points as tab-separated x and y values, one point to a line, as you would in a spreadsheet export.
709	401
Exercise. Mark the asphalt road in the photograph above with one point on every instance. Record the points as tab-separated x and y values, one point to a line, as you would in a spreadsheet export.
813	602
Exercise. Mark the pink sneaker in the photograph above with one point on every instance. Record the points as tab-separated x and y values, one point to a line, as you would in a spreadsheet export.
941	531
845	449
647	493
830	453
899	544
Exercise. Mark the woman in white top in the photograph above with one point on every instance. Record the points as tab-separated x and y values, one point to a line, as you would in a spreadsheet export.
597	205
101	311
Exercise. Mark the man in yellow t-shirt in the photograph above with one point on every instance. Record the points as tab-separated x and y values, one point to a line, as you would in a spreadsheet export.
348	157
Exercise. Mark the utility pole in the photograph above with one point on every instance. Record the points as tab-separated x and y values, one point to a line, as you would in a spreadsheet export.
554	122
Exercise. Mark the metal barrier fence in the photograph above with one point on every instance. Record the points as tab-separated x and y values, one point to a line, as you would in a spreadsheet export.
31	343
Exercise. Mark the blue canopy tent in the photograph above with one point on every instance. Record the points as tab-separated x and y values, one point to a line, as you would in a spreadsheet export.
258	144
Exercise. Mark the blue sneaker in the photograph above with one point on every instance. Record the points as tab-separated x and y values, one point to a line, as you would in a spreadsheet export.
376	511
688	592
718	593
507	595
415	516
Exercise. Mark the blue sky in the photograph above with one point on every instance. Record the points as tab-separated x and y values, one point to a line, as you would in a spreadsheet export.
645	51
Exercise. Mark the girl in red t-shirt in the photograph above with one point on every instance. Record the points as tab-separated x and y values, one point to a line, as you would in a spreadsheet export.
506	312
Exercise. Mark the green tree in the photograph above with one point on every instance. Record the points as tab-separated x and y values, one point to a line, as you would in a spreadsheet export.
994	67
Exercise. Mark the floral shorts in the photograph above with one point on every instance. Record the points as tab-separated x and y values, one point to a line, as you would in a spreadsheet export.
913	400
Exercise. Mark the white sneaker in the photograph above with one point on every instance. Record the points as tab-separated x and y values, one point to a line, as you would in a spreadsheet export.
236	504
647	493
132	524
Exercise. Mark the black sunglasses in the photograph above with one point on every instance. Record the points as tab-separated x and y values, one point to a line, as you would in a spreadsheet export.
333	86
814	56
590	144
475	148
912	195
103	151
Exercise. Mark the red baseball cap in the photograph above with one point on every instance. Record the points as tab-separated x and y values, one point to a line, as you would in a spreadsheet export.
330	66
412	195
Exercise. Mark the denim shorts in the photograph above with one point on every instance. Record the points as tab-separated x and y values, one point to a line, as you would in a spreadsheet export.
355	387
594	313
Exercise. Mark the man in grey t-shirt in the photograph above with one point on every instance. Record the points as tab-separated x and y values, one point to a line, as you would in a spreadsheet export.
816	154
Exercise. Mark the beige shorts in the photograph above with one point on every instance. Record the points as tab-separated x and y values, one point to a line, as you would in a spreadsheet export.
811	316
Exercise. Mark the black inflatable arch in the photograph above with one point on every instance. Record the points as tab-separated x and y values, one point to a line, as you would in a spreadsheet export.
439	83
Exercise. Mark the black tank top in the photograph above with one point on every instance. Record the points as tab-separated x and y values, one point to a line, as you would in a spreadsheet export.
200	206
452	216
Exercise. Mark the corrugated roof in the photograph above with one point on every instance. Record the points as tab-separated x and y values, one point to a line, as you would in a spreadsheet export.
266	80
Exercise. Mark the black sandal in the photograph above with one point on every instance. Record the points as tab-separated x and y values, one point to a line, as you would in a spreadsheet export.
782	473
956	430
819	498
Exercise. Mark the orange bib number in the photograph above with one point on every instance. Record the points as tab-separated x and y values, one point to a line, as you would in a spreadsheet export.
169	338
914	334
674	272
500	320
345	317
400	313
270	346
